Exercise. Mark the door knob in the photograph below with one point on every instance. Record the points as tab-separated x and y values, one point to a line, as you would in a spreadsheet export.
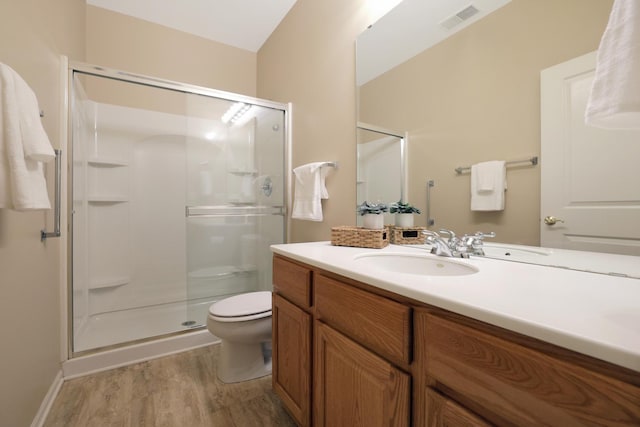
552	220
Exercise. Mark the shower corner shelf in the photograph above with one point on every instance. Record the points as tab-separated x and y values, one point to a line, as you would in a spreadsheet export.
221	271
108	282
107	199
107	162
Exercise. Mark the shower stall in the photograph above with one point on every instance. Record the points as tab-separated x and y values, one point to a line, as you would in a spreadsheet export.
176	193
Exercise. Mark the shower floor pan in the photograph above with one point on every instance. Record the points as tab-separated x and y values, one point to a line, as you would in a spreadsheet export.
108	329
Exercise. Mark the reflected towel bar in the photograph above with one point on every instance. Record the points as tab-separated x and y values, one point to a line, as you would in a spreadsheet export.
44	234
329	164
533	160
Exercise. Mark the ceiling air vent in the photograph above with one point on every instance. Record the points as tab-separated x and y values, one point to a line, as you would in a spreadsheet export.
459	17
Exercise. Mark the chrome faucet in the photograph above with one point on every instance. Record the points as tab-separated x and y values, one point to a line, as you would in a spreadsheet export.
442	247
453	246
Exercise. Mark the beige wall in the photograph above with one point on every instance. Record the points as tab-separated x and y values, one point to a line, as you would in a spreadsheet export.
309	60
476	97
129	44
33	33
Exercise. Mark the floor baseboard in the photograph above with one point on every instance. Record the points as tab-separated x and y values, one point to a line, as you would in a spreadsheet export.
46	404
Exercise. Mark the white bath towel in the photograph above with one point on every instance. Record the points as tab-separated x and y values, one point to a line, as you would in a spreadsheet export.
488	183
309	191
24	145
614	101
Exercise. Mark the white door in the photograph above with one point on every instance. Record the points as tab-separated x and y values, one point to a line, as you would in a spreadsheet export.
590	176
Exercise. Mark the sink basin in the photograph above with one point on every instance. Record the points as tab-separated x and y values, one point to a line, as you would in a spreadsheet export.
415	264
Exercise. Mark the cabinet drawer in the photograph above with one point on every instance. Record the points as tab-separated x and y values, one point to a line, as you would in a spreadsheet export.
508	383
378	323
292	281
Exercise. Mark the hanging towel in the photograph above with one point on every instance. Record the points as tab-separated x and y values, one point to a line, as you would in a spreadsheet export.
614	101
24	145
488	183
309	190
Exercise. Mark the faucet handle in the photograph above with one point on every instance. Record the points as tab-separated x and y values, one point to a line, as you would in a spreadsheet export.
480	235
452	241
451	234
430	236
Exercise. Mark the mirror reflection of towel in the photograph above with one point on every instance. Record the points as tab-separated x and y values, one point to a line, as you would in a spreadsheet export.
309	190
24	145
614	101
488	183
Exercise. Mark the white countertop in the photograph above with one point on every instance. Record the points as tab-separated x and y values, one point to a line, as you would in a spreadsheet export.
593	314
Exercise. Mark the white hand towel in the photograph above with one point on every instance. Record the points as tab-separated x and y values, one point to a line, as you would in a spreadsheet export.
309	190
488	183
614	101
24	145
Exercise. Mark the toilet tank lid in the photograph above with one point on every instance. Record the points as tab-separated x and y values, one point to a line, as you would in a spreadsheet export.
242	305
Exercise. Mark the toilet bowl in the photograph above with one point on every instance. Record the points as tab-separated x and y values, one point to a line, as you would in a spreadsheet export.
243	324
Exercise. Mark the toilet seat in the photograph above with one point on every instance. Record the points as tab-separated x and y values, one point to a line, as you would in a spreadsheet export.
240	308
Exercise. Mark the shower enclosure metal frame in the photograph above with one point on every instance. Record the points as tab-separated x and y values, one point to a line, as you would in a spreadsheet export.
69	68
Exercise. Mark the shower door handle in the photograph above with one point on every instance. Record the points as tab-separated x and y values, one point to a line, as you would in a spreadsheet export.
226	211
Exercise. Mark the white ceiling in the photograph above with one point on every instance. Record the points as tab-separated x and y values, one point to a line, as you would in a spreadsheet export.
245	24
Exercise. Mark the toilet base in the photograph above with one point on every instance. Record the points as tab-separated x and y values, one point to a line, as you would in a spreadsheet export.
242	362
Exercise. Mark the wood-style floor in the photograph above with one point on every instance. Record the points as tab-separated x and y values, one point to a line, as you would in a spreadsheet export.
178	390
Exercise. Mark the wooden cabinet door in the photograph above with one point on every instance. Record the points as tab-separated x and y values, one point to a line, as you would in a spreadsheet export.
291	374
443	412
355	388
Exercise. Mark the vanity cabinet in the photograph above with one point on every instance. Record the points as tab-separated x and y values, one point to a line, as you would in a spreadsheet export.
382	359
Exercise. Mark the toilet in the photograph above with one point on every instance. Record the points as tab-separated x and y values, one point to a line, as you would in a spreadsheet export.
243	324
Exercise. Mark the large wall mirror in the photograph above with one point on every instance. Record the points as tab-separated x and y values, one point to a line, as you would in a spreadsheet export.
464	83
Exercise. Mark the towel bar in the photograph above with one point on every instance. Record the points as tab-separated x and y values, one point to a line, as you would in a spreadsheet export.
330	164
44	234
533	160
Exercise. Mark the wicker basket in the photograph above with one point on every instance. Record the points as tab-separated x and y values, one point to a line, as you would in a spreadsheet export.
359	237
407	235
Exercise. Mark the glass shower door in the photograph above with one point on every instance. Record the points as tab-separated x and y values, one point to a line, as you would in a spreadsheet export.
235	208
176	197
